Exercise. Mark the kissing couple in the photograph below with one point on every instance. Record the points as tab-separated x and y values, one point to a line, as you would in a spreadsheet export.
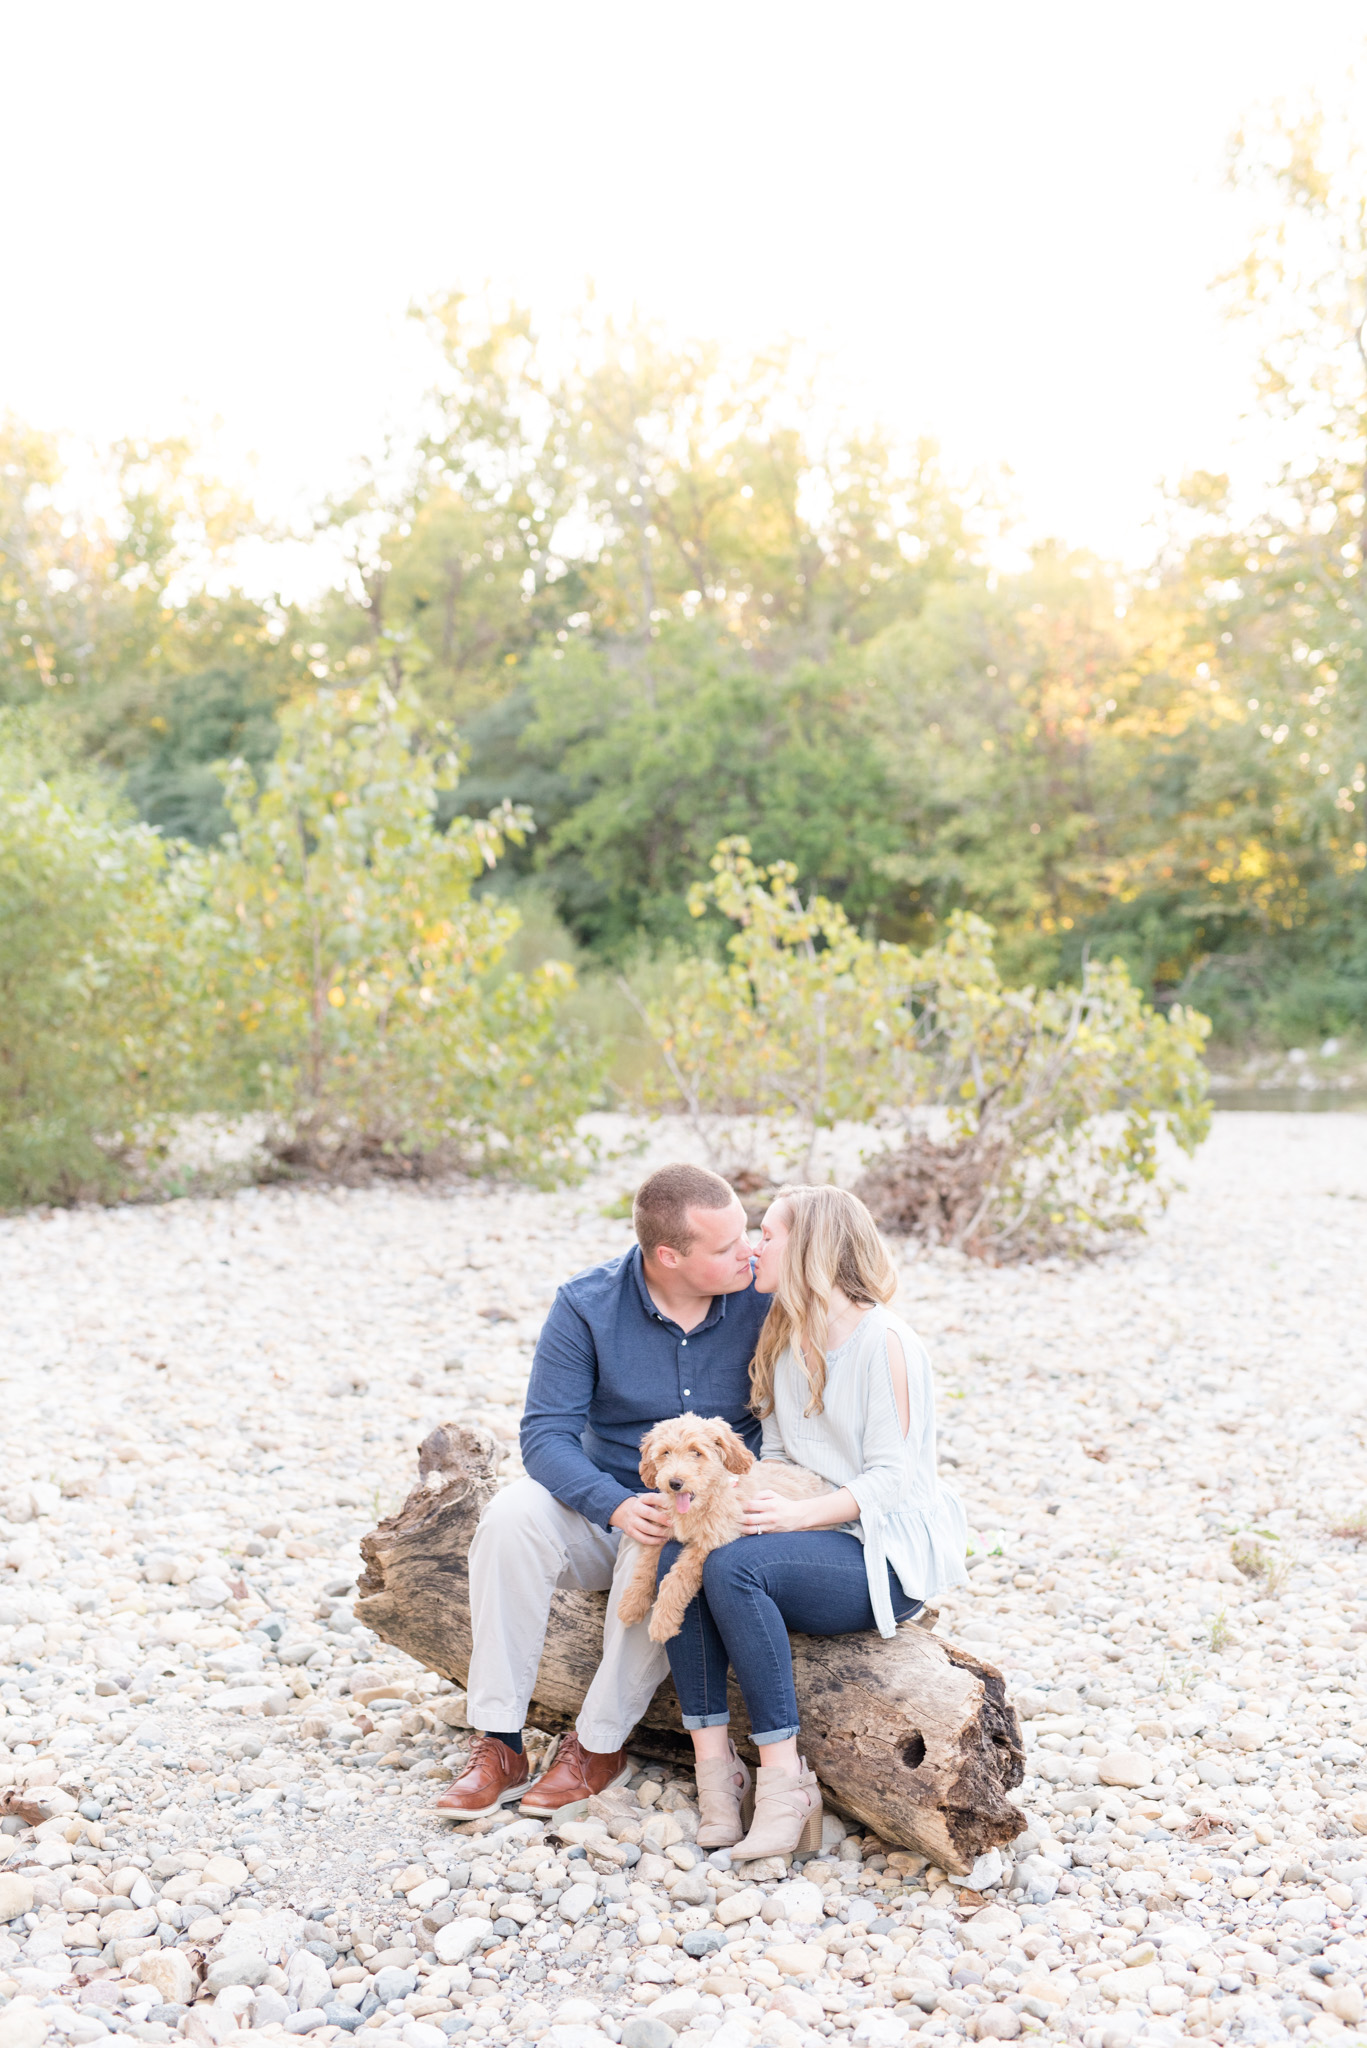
792	1345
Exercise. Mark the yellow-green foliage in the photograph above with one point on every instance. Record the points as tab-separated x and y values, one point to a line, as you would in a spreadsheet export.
95	1036
805	1019
351	970
327	962
1060	1092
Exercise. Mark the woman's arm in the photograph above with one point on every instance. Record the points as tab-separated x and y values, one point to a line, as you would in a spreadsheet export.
886	1424
897	1366
771	1438
879	1485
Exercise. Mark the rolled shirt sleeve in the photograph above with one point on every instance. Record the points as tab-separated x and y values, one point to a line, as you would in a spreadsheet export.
560	1391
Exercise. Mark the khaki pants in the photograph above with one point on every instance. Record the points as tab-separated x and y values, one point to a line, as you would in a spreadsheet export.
528	1546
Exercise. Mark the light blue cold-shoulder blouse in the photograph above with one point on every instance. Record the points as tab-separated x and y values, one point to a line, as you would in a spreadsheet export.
907	1519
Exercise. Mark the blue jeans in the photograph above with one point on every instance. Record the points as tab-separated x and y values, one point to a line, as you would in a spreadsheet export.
753	1591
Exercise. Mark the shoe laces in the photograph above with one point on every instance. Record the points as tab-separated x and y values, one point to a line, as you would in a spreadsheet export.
571	1750
481	1747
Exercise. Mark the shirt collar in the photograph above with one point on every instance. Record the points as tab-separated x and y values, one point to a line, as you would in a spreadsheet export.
715	1314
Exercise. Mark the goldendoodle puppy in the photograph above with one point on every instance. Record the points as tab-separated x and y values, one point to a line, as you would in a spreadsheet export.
704	1475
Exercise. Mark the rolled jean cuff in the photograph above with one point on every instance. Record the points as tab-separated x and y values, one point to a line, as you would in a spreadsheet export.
691	1721
770	1735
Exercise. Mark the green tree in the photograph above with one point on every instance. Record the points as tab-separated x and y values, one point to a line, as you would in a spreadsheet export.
666	482
1278	837
647	781
354	977
1040	732
107	617
98	1026
87	603
609	484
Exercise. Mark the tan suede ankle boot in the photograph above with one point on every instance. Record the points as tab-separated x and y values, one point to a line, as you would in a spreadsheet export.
725	1800
787	1818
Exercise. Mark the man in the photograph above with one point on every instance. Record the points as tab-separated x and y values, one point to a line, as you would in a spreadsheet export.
668	1327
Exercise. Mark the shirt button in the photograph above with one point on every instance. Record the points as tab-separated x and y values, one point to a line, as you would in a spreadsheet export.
688	1390
684	1342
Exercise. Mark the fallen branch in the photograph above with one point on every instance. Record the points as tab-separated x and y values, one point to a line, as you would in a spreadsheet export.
913	1737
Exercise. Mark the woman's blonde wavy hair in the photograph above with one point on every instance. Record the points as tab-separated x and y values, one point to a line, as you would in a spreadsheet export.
832	1242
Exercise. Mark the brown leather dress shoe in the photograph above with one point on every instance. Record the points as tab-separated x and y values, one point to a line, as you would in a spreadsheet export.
494	1775
576	1775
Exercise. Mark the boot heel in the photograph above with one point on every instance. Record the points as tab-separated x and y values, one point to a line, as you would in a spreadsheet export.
809	1841
747	1808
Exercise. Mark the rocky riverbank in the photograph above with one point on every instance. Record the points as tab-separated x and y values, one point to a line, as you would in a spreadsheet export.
218	1790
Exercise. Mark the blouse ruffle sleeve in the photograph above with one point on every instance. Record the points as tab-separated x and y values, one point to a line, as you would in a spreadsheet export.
878	1488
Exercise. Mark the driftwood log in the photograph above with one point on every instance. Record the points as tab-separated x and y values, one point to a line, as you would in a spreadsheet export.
913	1737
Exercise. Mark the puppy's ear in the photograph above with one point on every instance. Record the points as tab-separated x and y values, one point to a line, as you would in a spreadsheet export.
649	1458
734	1455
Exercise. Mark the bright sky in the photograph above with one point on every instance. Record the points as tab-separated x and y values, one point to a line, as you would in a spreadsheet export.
999	220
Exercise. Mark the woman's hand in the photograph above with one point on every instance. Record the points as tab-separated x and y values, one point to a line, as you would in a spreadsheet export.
770	1514
773	1514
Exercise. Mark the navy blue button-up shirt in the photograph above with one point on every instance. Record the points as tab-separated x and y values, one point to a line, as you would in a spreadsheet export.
609	1366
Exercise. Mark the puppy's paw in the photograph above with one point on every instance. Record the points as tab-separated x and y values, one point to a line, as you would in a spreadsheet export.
634	1606
663	1627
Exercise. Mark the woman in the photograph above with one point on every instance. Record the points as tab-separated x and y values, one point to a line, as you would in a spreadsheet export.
844	1388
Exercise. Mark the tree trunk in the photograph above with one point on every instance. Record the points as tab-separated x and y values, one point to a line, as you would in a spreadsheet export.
912	1736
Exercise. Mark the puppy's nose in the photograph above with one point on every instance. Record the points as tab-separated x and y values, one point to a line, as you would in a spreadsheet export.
676	1486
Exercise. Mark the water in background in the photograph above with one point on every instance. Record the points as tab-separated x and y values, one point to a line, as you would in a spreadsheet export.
1295	1099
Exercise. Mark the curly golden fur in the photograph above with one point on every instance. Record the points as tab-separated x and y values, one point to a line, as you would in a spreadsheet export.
704	1476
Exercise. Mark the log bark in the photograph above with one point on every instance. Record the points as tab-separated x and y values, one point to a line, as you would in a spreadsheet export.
913	1736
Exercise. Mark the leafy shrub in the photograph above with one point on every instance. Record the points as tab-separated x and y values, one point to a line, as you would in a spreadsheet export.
355	978
805	1021
1053	1098
96	1038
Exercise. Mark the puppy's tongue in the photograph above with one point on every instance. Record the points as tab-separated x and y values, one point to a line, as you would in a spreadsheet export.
683	1502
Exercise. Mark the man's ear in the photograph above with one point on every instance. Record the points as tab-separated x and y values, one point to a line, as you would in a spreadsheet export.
734	1455
648	1459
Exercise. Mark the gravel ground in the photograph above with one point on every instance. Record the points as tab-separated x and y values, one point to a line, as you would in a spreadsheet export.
219	1790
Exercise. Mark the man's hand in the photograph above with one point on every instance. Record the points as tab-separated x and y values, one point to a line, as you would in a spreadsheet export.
643	1518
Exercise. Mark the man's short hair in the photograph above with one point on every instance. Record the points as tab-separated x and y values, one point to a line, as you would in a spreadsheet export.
663	1200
